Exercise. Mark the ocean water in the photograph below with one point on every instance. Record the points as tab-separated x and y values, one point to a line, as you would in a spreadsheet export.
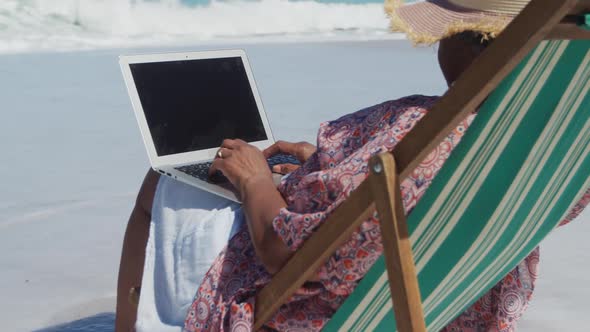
54	25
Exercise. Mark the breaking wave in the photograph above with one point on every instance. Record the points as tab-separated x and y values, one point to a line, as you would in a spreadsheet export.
32	25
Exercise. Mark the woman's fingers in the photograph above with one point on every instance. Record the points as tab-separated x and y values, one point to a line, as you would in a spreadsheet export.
284	168
232	143
304	150
301	150
239	164
280	147
217	165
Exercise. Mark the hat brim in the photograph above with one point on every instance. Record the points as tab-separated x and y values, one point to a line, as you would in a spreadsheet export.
430	21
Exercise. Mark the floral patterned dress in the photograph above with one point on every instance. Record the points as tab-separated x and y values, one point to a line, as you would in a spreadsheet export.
225	298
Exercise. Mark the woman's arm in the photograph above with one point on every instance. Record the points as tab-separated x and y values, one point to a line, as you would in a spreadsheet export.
246	168
262	201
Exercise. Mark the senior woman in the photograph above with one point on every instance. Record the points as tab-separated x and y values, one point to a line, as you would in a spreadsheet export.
274	222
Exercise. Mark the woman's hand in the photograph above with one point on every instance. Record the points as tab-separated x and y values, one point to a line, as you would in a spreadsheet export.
241	163
301	150
246	168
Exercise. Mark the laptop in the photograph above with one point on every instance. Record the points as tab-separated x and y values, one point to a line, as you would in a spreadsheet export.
186	104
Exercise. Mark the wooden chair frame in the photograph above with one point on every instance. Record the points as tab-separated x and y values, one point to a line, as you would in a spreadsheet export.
541	19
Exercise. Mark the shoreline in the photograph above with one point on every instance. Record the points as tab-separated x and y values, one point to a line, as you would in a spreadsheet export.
221	43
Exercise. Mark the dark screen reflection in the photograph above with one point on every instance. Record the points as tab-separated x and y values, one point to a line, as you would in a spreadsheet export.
196	104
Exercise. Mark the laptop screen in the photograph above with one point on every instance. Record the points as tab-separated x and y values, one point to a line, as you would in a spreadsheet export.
193	105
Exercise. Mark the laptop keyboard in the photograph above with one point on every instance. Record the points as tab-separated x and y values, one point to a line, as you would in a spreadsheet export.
201	170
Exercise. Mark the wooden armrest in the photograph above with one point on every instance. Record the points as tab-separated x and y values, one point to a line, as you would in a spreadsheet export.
580	8
572	26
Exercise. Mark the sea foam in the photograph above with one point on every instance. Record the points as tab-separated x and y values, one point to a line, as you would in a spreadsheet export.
32	25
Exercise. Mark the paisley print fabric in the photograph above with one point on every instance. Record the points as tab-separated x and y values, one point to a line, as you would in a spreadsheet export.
225	298
578	208
501	307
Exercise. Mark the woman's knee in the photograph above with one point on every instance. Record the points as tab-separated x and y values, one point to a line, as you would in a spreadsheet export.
145	197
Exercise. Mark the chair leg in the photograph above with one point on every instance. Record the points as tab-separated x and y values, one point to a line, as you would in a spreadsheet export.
403	281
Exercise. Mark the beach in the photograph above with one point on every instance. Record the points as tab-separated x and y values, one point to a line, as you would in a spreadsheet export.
74	160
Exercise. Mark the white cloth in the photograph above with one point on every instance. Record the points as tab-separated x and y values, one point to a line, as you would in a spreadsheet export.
189	228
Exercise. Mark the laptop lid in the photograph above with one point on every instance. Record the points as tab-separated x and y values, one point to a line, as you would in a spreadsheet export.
186	104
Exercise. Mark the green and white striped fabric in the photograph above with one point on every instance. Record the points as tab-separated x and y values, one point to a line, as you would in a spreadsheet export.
520	168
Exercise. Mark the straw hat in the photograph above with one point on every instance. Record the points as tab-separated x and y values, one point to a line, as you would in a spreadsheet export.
432	20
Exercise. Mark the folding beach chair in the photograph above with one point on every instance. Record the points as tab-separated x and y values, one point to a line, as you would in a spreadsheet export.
516	173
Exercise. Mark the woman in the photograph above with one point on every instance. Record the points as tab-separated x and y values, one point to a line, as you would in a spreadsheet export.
276	221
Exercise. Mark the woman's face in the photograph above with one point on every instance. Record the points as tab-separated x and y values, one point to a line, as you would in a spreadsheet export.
455	54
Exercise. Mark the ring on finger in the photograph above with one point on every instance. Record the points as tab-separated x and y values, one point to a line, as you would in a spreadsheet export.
223	153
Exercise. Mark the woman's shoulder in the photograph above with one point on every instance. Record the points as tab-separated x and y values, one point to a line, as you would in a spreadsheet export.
412	101
416	100
373	113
